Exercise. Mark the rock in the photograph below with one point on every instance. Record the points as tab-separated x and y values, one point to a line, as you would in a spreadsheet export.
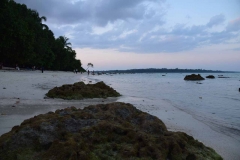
210	76
239	89
4	88
80	90
103	131
193	77
199	83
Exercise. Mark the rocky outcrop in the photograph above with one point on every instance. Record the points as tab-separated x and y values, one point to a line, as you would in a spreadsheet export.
104	131
193	77
210	76
80	90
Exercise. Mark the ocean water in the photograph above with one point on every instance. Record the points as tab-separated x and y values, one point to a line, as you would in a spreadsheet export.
216	102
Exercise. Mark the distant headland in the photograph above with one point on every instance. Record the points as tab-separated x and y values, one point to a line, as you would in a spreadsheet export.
164	70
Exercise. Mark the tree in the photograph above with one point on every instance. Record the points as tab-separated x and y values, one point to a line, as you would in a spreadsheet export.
89	65
64	41
26	41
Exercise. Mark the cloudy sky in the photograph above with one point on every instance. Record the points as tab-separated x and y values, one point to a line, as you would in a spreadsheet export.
126	34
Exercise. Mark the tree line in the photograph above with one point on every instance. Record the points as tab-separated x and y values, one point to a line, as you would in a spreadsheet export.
25	40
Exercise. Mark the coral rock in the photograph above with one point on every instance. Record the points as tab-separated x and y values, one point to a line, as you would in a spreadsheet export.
80	90
104	131
193	77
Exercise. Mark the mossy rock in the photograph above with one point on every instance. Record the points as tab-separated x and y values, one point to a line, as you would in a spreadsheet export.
210	76
104	131
193	77
80	91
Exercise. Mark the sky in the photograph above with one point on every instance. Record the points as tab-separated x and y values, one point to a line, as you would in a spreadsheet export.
134	34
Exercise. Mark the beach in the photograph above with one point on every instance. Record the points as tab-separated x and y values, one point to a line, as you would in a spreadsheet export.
23	96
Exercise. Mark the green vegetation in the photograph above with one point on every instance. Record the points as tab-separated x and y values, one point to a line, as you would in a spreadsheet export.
103	131
25	40
80	90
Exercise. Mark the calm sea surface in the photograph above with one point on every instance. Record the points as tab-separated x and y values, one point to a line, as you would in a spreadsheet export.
216	102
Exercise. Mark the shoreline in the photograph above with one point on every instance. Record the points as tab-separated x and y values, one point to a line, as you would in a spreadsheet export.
176	120
23	97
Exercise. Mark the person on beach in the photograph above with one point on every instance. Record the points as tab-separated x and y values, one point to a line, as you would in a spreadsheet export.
88	72
42	69
17	68
76	71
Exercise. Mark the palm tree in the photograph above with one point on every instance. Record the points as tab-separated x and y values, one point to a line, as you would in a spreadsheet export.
64	41
89	65
44	26
40	19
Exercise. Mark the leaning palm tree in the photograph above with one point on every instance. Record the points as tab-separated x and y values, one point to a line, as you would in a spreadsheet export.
89	65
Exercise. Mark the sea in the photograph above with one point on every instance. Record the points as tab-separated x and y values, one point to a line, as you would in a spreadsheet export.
216	102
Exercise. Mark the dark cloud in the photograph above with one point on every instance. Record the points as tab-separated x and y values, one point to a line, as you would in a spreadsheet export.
133	25
216	20
97	11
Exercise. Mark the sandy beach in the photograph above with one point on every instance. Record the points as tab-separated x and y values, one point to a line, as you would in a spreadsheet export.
23	96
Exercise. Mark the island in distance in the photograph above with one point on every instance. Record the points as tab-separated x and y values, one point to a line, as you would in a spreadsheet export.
164	70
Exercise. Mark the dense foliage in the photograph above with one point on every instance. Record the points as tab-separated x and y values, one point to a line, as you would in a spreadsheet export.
26	41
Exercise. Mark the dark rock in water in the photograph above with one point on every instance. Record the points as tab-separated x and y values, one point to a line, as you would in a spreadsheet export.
80	90
239	89
199	83
104	131
193	77
210	76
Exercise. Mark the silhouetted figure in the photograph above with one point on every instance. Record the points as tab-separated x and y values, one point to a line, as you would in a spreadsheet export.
88	72
42	69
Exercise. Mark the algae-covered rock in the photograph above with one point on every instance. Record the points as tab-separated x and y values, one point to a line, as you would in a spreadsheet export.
80	90
193	77
210	76
104	131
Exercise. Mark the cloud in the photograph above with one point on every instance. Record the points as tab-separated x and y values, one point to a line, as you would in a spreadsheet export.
99	12
216	20
138	26
234	25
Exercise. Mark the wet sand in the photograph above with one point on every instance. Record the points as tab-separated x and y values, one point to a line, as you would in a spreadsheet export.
176	119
